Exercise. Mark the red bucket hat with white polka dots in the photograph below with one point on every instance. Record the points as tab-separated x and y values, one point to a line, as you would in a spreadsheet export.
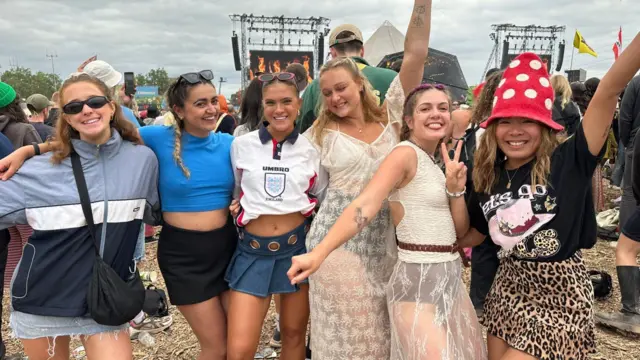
525	92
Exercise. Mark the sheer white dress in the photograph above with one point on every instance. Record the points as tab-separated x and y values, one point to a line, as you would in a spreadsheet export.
432	317
349	317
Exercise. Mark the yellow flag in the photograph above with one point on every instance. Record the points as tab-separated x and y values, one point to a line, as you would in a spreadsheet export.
582	46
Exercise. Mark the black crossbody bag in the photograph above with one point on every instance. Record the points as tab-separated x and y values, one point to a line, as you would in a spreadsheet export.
110	300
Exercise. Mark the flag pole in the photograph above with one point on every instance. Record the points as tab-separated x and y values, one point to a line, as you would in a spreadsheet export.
572	53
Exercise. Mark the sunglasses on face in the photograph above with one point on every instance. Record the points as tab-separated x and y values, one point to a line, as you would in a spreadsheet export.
281	76
195	77
94	102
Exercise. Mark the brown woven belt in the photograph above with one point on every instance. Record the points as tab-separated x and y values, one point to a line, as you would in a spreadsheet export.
436	249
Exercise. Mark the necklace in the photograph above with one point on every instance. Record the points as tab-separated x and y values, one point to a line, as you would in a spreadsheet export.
423	150
511	177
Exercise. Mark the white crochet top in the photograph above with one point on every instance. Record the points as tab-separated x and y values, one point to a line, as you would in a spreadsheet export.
427	216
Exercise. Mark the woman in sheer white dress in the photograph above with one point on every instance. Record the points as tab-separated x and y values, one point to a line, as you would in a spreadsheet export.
431	313
349	317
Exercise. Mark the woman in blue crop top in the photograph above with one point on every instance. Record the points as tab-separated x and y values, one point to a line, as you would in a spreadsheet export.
198	236
278	181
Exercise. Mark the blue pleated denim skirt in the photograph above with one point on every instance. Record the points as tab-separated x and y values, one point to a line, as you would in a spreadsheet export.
259	265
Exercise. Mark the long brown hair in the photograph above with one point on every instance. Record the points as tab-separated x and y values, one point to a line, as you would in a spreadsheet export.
485	172
370	103
65	132
482	108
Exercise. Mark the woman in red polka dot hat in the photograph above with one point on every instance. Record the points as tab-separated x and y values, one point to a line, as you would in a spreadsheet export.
532	194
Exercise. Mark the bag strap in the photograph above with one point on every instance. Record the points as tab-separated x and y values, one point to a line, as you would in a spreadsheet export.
81	183
220	118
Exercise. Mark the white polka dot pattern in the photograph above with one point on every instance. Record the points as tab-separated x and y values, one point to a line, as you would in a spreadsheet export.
502	83
514	64
530	93
522	77
495	100
544	81
548	104
535	64
508	94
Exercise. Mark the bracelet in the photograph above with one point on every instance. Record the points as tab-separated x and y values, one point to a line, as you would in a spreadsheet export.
457	194
36	148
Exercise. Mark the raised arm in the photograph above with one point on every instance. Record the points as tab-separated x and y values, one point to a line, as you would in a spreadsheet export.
396	169
416	45
10	164
597	120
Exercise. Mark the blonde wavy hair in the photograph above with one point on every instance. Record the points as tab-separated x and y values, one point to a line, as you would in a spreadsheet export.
485	172
65	132
133	104
562	88
370	103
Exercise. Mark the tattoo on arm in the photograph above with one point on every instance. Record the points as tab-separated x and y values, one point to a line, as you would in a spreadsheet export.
360	220
419	12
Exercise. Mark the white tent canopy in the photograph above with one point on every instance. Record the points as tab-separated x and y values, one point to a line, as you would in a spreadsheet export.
384	41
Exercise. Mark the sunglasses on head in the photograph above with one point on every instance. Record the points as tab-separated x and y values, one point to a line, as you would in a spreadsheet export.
281	76
195	77
424	87
94	102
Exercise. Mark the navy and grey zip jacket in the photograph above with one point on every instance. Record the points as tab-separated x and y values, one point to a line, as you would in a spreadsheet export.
54	272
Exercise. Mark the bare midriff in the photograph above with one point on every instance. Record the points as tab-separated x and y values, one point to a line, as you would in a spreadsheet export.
197	221
274	225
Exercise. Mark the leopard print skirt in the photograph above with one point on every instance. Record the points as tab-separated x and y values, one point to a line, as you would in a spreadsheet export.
543	309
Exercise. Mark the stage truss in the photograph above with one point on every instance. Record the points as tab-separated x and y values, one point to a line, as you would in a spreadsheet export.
276	33
542	40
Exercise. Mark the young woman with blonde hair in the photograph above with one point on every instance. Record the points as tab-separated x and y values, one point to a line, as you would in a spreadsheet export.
349	317
60	253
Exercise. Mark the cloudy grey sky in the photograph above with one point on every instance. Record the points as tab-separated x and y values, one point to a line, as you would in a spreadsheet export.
188	35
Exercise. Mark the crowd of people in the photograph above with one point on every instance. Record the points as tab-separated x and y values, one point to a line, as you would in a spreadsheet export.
349	201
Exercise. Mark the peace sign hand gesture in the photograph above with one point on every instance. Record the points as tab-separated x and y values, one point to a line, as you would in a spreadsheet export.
455	171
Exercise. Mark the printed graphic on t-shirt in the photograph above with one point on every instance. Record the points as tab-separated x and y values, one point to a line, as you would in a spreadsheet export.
515	220
274	185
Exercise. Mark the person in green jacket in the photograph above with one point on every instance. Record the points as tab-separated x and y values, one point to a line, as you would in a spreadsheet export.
344	41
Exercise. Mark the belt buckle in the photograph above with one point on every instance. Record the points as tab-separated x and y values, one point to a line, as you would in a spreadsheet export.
274	246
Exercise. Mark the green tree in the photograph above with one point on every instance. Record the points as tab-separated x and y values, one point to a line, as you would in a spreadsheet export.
160	78
470	95
141	80
27	83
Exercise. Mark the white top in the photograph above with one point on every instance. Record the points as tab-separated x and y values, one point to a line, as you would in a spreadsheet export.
241	130
427	216
275	178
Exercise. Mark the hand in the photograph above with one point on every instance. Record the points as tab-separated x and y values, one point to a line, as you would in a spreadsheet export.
234	208
10	164
455	171
302	266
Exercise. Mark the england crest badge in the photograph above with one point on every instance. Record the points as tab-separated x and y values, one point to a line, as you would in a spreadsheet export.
274	184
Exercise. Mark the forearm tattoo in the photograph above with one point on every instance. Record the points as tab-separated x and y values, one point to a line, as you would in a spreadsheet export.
418	19
360	220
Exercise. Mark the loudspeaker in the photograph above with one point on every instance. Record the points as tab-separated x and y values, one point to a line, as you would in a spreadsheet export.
320	50
236	51
505	54
560	56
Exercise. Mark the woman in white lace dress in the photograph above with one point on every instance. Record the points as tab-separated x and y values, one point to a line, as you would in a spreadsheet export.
349	317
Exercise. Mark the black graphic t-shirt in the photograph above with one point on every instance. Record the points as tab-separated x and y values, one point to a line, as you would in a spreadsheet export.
542	223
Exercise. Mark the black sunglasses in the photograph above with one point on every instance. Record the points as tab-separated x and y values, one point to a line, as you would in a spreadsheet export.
94	102
281	76
194	77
